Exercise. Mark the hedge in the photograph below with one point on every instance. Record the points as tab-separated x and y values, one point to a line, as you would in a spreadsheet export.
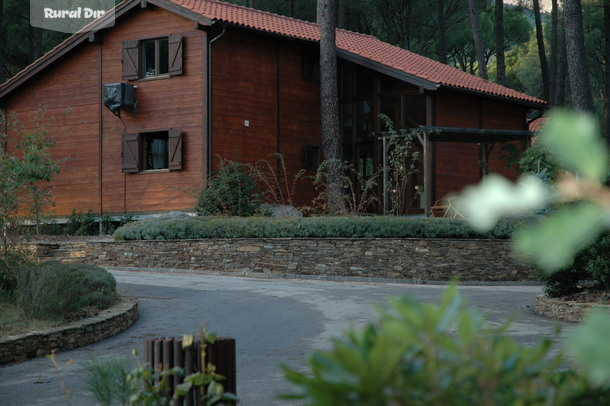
311	227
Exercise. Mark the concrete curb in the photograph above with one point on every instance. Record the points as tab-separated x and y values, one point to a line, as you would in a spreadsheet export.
76	334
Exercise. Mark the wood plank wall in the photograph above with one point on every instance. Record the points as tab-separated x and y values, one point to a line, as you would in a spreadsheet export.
457	164
72	92
262	83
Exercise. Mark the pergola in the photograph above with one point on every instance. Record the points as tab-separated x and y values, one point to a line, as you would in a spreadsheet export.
485	138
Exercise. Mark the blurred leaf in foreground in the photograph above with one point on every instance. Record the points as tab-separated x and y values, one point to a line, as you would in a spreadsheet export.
573	139
585	345
553	242
484	204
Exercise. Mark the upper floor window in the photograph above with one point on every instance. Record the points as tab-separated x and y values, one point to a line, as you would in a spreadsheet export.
152	57
155	59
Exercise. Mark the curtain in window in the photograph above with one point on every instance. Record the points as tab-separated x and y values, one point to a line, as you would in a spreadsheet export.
159	153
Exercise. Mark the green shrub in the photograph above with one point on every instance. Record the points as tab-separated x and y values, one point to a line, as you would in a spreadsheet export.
108	380
537	159
80	223
232	191
591	265
310	227
55	290
423	354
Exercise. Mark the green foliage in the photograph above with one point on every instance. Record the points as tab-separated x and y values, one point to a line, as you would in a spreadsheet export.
312	227
423	354
356	194
231	191
277	186
153	386
10	260
56	290
402	159
573	140
591	266
537	159
109	381
80	223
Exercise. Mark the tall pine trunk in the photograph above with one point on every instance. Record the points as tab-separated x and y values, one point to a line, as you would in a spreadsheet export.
554	51
499	38
478	38
341	7
329	102
607	71
541	51
2	44
582	98
562	63
442	31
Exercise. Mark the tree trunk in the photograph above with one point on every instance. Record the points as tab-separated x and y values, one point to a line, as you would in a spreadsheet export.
329	102
582	99
554	51
341	13
442	32
541	51
607	71
478	38
562	63
35	43
2	45
499	37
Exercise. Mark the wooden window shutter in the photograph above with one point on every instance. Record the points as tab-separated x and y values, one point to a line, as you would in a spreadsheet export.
131	153
175	54
131	60
175	149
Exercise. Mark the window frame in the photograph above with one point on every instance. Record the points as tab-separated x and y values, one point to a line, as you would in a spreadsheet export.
143	65
133	58
133	151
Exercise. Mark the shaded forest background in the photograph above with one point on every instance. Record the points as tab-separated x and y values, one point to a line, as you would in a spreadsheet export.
521	45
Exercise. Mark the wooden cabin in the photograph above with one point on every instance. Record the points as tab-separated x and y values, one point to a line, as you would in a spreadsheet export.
213	80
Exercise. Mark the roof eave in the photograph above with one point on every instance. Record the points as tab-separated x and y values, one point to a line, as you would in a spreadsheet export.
387	70
534	105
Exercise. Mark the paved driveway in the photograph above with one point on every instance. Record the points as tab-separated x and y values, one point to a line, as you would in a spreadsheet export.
273	320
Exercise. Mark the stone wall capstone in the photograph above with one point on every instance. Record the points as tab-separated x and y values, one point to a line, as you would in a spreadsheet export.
405	259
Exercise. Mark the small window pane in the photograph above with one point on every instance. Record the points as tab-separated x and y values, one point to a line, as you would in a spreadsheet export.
155	151
163	56
363	119
148	56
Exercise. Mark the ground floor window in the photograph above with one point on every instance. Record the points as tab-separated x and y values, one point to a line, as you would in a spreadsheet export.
155	150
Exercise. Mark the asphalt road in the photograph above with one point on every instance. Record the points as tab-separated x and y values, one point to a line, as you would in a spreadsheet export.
274	321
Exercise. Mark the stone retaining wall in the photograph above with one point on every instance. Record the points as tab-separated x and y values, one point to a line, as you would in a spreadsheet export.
406	259
109	322
569	311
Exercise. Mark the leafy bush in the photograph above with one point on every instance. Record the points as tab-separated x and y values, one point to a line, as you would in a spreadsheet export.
232	191
108	381
537	159
310	227
423	354
80	223
592	265
55	290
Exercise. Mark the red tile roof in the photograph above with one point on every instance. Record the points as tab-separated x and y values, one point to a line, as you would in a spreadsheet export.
420	68
538	124
361	45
